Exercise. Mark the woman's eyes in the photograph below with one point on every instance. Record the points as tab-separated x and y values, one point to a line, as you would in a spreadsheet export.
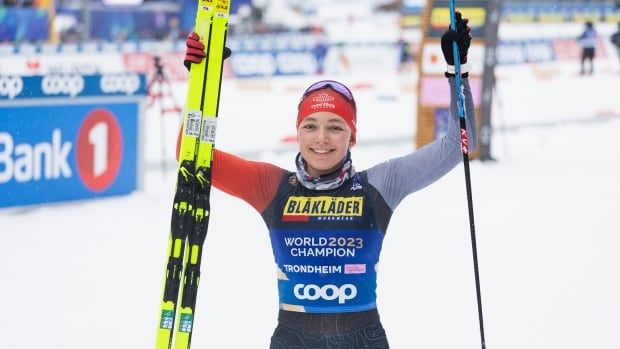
330	128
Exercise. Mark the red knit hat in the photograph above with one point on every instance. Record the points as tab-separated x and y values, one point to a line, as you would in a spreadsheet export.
327	99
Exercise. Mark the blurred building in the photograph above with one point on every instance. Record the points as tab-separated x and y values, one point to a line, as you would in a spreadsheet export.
77	20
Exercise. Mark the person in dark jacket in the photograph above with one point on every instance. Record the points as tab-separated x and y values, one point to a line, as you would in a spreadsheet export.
588	40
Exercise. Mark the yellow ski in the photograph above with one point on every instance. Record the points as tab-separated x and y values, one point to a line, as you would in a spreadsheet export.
191	207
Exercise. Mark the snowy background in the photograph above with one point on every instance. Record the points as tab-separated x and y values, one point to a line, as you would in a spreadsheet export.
87	275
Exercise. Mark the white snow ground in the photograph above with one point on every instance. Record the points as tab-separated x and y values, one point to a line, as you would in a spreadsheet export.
87	275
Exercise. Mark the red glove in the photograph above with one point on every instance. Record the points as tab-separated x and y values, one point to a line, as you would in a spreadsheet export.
195	51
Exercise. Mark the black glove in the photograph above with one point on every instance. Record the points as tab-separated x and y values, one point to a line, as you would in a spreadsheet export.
195	51
462	38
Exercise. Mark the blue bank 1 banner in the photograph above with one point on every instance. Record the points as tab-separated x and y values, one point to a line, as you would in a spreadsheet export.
75	137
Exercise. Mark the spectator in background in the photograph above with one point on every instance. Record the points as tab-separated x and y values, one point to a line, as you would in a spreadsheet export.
174	29
615	39
588	39
320	48
406	55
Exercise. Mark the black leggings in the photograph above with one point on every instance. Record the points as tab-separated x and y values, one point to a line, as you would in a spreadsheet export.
333	331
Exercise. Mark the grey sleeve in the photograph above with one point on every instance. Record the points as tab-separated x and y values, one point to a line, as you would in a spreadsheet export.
399	177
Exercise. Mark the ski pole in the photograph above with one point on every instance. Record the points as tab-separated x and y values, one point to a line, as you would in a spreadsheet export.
465	150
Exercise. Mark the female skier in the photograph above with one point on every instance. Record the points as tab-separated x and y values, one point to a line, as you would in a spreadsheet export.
326	220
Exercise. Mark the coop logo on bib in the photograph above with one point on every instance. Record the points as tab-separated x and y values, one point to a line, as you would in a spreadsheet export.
327	292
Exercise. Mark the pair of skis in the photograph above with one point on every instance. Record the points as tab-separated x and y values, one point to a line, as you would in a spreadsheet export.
191	206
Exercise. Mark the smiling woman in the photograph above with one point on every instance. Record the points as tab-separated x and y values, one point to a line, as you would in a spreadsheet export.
326	220
323	140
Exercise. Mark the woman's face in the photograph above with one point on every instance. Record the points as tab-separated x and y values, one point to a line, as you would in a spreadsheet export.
324	139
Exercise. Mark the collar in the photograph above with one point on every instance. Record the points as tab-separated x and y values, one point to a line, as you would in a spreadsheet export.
328	181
